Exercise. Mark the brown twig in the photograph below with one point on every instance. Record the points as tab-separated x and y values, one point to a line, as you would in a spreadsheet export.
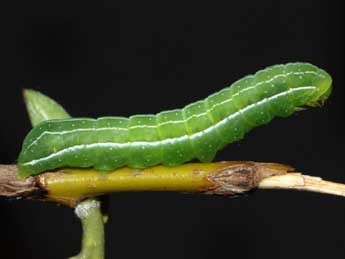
12	186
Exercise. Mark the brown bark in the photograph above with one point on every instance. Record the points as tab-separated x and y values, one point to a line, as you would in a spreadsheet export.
12	186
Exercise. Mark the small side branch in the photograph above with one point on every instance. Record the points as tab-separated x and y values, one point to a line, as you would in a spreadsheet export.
89	213
71	186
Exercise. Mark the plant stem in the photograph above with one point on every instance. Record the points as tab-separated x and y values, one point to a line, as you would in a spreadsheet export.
89	213
70	186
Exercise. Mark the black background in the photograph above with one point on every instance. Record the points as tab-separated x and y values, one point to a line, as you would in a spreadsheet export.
108	58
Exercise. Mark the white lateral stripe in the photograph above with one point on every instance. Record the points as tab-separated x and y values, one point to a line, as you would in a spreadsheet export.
165	141
171	122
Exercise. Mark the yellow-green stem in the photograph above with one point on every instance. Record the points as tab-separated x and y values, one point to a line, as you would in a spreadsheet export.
70	186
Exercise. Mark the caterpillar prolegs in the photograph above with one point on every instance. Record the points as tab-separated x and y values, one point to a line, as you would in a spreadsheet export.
173	137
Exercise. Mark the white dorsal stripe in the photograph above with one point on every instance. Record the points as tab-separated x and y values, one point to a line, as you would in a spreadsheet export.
170	122
170	140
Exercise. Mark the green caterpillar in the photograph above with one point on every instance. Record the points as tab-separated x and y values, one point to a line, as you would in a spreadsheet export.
173	137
